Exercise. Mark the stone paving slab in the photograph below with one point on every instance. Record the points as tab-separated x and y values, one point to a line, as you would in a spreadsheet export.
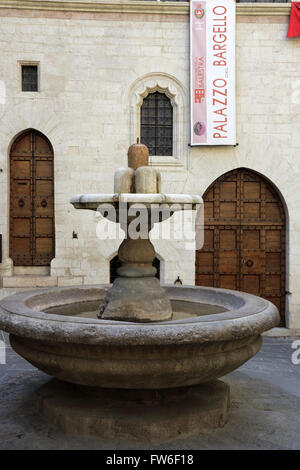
264	413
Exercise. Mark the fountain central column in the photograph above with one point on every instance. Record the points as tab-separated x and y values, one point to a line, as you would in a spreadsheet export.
136	295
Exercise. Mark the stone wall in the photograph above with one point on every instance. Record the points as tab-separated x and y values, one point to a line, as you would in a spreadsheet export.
93	70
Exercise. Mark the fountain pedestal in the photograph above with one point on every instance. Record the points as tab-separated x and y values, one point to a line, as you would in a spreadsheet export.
136	295
153	416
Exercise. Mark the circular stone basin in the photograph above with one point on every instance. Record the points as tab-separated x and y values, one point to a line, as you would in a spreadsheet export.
213	332
181	309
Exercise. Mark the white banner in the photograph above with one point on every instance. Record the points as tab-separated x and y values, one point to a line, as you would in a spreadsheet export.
212	72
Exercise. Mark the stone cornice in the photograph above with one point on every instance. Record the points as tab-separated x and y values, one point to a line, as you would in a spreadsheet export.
138	7
263	9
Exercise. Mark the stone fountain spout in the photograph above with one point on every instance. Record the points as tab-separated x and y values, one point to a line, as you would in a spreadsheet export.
136	294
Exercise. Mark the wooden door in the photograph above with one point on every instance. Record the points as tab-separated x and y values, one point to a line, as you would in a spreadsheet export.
31	200
244	238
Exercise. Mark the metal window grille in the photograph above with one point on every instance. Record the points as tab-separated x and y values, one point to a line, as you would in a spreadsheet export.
157	124
29	78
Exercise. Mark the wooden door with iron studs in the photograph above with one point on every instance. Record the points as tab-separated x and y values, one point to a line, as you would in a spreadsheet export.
32	238
244	237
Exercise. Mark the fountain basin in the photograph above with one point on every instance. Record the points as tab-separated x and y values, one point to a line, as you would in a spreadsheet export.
92	201
128	355
154	202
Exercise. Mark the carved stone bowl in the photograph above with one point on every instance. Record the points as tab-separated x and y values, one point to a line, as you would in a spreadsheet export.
128	355
125	201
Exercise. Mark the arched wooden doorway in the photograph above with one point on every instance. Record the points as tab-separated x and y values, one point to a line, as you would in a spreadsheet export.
31	200
244	239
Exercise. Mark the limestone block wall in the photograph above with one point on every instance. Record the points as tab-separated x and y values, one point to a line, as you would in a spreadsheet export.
94	71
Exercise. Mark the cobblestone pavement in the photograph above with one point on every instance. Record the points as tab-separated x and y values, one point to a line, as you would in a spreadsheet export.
264	413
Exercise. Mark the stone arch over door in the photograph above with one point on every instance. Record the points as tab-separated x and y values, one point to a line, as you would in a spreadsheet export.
244	238
31	200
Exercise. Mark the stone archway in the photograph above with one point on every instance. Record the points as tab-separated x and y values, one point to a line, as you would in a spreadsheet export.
244	238
31	200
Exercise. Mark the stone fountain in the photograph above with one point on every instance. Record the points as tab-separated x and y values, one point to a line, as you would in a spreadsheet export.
136	361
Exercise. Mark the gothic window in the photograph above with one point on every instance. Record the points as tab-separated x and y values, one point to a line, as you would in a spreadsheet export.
157	124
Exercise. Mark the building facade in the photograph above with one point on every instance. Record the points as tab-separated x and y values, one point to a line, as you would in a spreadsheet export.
93	65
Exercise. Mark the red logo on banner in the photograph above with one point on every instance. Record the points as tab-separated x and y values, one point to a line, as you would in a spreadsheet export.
199	95
199	12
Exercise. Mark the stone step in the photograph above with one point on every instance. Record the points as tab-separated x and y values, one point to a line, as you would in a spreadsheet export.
29	280
36	270
282	332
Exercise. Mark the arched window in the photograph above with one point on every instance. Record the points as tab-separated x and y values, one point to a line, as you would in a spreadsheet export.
115	264
157	124
175	123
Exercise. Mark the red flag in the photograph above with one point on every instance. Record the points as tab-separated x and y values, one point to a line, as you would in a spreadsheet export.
294	26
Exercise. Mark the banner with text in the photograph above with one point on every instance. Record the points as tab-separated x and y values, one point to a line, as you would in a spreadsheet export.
212	69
